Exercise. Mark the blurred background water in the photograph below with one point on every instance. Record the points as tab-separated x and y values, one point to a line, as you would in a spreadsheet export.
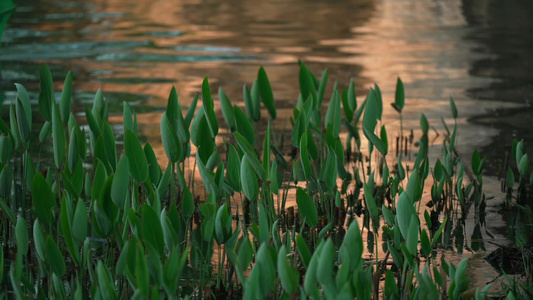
478	51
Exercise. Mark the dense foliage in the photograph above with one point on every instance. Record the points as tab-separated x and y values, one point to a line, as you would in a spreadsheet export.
89	221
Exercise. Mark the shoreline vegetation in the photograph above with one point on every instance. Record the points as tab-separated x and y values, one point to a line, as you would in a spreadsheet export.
91	221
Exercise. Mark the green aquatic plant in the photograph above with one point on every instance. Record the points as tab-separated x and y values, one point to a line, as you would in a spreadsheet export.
95	219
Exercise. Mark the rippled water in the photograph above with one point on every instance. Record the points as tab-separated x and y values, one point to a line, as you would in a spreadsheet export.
478	51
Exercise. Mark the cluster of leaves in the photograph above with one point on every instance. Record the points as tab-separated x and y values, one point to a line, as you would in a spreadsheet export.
106	225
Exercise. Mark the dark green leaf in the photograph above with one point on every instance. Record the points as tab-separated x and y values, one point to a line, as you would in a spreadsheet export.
119	187
249	181
266	92
234	167
399	100
136	158
453	108
66	98
24	125
187	203
151	229
43	198
79	222
170	140
252	157
307	208
67	233
227	110
243	125
54	257
58	135
209	108
172	106
46	95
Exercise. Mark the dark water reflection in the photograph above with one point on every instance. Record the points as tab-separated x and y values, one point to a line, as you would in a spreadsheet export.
478	51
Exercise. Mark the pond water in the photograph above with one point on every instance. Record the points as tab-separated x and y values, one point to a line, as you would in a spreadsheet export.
478	51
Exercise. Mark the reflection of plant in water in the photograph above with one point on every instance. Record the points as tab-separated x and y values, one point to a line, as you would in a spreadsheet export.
109	225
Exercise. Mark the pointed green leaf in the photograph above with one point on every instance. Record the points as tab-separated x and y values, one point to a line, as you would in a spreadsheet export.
234	167
66	98
209	108
307	208
252	156
120	182
322	87
151	229
304	156
54	257
243	125
136	158
67	233
453	108
46	95
266	92
287	273
22	122
249	181
79	222
43	198
58	135
21	236
170	140
172	106
399	100
187	203
22	94
227	110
